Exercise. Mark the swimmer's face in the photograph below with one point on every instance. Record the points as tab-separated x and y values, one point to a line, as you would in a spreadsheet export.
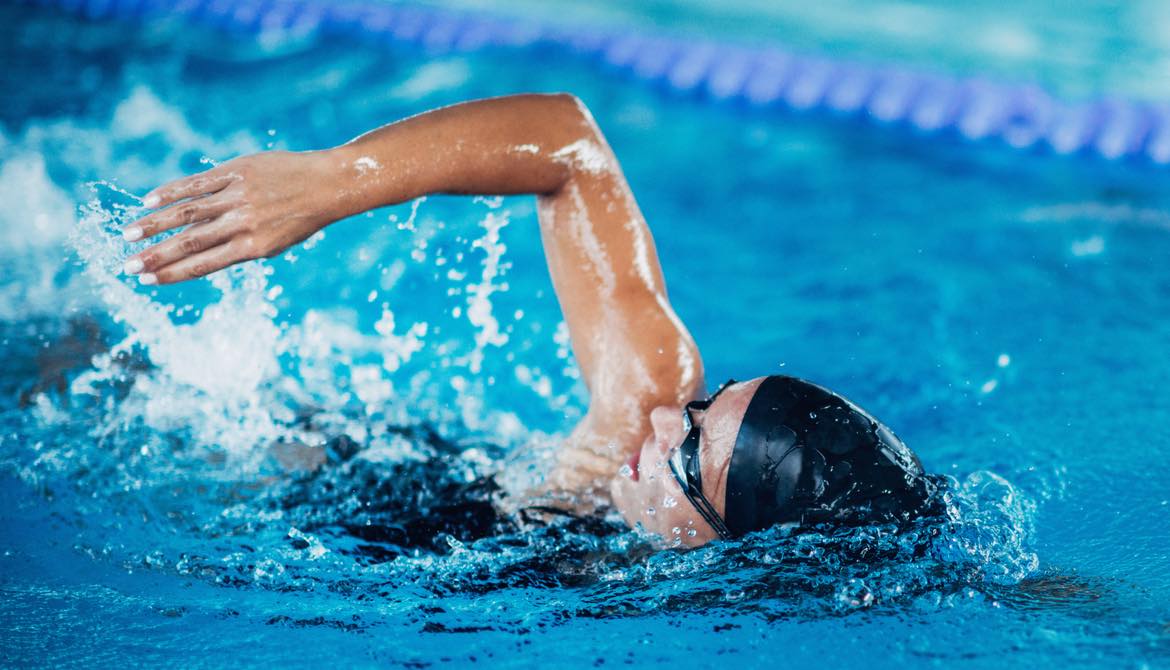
650	495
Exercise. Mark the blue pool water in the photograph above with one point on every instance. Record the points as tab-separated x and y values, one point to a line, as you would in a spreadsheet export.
1006	313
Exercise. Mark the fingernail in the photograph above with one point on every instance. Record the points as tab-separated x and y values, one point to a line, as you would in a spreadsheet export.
132	266
132	233
148	279
151	200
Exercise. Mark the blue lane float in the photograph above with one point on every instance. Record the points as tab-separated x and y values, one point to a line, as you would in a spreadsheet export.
1019	116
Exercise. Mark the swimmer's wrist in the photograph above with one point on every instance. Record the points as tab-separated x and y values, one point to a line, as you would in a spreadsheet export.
362	180
340	187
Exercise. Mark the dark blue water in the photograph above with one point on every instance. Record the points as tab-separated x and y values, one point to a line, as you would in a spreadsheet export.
1005	313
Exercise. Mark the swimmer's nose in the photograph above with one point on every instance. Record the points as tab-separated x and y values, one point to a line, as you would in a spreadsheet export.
667	423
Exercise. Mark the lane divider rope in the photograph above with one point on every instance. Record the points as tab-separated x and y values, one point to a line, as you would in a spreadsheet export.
974	108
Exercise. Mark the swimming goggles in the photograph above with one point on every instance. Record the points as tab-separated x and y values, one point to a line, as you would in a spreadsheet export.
685	465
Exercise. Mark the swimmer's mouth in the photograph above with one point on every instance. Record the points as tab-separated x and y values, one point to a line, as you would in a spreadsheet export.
633	463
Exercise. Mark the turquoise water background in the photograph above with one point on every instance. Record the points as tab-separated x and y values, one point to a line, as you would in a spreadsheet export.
1004	312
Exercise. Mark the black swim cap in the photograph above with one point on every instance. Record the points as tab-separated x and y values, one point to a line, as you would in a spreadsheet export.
805	455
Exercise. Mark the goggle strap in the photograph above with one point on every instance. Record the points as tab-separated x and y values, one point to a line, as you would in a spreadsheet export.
707	511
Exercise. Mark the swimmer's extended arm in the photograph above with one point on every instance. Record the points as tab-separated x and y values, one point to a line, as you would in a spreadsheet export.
633	351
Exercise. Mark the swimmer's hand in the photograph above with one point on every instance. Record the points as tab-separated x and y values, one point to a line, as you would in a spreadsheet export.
251	207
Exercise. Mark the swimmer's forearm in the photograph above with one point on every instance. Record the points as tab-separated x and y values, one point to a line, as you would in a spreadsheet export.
499	146
257	206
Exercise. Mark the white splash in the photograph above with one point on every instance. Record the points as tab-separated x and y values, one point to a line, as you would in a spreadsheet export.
209	380
479	303
398	348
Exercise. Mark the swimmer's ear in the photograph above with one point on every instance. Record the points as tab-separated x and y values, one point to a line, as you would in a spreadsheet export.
214	180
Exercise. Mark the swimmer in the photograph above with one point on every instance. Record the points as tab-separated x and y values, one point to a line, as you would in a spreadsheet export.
770	450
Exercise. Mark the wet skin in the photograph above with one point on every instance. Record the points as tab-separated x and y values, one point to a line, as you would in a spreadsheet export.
637	359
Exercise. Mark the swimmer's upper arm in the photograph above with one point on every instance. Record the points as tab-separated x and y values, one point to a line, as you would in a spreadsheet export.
634	352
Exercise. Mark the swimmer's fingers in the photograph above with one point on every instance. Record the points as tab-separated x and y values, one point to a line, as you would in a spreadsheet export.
197	265
198	238
182	214
193	186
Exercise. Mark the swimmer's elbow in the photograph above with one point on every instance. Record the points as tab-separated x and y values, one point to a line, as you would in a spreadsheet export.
574	115
567	104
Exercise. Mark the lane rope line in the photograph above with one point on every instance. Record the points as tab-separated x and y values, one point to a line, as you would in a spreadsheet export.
977	109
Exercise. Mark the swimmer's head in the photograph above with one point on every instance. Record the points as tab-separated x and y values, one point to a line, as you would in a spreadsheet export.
773	450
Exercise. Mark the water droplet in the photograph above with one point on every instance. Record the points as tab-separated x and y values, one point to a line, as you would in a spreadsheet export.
669	501
812	415
676	530
650	511
626	471
692	532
